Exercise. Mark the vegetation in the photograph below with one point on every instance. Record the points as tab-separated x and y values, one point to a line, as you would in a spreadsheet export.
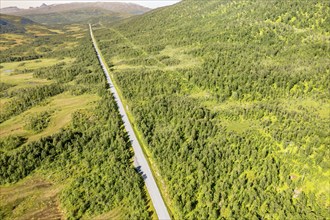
34	197
38	122
232	100
61	134
27	98
13	24
11	142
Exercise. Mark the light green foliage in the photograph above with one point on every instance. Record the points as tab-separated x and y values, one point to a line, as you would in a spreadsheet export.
243	131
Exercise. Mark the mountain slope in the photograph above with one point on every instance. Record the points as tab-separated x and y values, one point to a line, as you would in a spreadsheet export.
77	12
13	24
17	32
232	101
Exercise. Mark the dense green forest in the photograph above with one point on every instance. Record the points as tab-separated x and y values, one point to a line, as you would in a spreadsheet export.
232	101
89	160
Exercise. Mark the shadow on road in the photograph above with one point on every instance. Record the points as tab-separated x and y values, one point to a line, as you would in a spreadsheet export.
138	170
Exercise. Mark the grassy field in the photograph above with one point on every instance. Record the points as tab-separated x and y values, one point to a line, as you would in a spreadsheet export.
9	40
37	30
10	68
31	198
21	80
73	28
10	73
62	106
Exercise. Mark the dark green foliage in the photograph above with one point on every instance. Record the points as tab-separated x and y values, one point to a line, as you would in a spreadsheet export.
19	58
33	155
38	122
108	177
61	74
4	87
264	63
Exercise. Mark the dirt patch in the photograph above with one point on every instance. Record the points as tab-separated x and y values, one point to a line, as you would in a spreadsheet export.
50	212
293	177
297	192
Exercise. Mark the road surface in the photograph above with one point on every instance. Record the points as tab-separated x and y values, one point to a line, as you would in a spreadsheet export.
140	161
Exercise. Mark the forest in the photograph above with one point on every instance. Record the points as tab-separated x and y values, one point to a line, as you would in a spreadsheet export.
88	160
231	99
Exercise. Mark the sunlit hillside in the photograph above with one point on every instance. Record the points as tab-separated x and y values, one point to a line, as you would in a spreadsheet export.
232	101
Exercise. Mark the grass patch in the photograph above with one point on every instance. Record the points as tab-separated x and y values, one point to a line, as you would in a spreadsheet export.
56	31
31	198
70	45
199	94
22	80
77	36
180	54
31	64
298	105
73	28
4	101
63	106
10	40
38	30
168	59
8	73
215	106
113	214
239	126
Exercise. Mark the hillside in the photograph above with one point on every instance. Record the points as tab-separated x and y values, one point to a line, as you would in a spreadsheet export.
16	31
77	12
13	24
231	99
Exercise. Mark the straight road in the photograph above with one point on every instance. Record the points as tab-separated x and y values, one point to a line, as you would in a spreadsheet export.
140	161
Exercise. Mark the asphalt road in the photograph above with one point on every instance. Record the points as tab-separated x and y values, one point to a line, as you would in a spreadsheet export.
140	161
